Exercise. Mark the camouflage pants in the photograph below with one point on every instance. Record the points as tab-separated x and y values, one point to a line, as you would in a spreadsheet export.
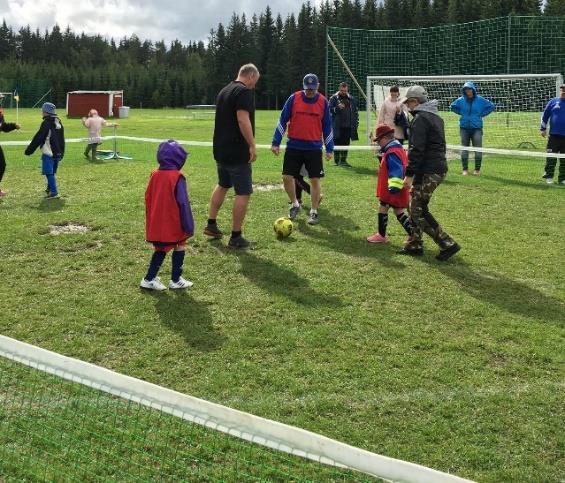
422	219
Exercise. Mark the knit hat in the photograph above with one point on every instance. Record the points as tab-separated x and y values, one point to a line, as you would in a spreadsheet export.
49	108
417	92
382	131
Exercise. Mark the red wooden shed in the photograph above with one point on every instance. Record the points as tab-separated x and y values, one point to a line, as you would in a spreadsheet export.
107	103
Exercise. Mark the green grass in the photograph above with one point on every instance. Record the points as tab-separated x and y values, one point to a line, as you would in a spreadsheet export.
456	366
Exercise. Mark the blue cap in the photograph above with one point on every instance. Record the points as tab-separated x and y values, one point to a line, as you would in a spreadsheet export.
310	81
49	108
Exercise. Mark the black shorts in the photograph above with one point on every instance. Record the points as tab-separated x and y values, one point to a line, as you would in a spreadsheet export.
312	161
556	144
237	176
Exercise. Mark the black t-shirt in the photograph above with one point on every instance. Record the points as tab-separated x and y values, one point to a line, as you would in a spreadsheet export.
230	146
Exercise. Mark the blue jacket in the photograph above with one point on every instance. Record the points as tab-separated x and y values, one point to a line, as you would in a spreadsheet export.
472	110
554	112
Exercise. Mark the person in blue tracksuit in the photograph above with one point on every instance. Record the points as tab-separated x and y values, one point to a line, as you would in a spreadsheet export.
472	108
554	114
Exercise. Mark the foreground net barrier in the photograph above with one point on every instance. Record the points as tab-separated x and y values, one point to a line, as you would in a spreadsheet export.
62	419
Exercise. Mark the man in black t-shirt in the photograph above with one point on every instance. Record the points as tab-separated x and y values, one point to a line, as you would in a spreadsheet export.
234	151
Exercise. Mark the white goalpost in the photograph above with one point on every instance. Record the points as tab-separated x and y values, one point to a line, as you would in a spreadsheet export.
519	100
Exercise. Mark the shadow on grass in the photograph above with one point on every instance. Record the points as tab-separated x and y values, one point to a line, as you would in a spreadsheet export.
279	280
47	205
363	170
178	310
329	233
510	295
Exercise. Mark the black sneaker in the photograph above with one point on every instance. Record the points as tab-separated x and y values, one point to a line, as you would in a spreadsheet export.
413	252
239	242
213	231
446	254
293	212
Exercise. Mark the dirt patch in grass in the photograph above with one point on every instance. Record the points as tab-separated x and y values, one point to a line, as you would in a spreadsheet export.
268	187
67	228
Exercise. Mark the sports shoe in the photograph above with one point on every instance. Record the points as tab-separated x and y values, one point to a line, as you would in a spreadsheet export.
2	193
239	242
293	212
413	252
547	180
477	172
313	219
377	238
52	196
562	182
182	283
154	284
446	254
213	231
465	172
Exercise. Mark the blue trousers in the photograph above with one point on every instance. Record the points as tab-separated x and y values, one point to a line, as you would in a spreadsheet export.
474	136
49	165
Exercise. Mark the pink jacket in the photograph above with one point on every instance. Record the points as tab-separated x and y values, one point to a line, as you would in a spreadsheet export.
387	113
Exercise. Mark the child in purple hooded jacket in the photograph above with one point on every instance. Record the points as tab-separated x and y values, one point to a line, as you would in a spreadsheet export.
168	216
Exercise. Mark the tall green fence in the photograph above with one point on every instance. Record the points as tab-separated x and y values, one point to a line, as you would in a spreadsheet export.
505	45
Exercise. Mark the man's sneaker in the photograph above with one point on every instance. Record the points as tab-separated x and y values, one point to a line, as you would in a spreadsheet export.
313	219
293	212
477	172
548	180
52	196
413	252
465	172
213	231
239	242
377	238
154	284
446	254
182	283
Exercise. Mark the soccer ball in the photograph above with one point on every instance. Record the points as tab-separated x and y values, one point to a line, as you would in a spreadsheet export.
283	227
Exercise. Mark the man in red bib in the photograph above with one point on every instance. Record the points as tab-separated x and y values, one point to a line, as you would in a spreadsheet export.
306	114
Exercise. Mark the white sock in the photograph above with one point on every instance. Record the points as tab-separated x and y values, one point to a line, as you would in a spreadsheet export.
313	211
296	204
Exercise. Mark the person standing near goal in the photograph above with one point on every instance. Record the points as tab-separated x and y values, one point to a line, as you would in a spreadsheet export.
345	122
427	168
393	113
234	151
472	108
307	115
554	114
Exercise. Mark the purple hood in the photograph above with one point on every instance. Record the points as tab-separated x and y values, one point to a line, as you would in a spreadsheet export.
171	155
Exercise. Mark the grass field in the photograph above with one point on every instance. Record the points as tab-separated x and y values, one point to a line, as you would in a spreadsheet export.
456	366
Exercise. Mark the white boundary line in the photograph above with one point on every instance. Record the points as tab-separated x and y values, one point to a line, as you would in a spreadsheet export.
230	421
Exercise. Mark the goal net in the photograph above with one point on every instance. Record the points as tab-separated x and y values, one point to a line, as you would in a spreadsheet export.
519	101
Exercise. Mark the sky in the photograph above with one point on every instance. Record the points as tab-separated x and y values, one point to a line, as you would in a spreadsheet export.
185	20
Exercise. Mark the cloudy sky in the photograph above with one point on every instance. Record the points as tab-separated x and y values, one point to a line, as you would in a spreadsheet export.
148	19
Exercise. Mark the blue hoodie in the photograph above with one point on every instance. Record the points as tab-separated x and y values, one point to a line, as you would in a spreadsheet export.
472	110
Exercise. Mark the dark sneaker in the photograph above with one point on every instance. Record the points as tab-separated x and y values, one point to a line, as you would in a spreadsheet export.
52	196
239	242
446	254
293	212
313	219
213	231
413	252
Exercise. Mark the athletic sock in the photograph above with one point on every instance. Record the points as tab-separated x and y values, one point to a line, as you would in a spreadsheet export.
178	260
296	204
404	220
235	234
155	265
383	222
211	221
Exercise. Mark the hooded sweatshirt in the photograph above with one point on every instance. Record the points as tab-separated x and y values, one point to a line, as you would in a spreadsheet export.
426	150
472	110
168	214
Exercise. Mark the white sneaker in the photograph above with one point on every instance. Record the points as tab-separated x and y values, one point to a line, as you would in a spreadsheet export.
182	283
154	284
548	180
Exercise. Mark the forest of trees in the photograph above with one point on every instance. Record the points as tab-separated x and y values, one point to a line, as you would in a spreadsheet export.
155	74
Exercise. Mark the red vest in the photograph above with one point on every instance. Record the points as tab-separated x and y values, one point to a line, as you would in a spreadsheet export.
306	119
162	214
400	199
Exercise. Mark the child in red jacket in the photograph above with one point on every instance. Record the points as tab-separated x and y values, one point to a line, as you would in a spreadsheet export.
168	216
390	189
